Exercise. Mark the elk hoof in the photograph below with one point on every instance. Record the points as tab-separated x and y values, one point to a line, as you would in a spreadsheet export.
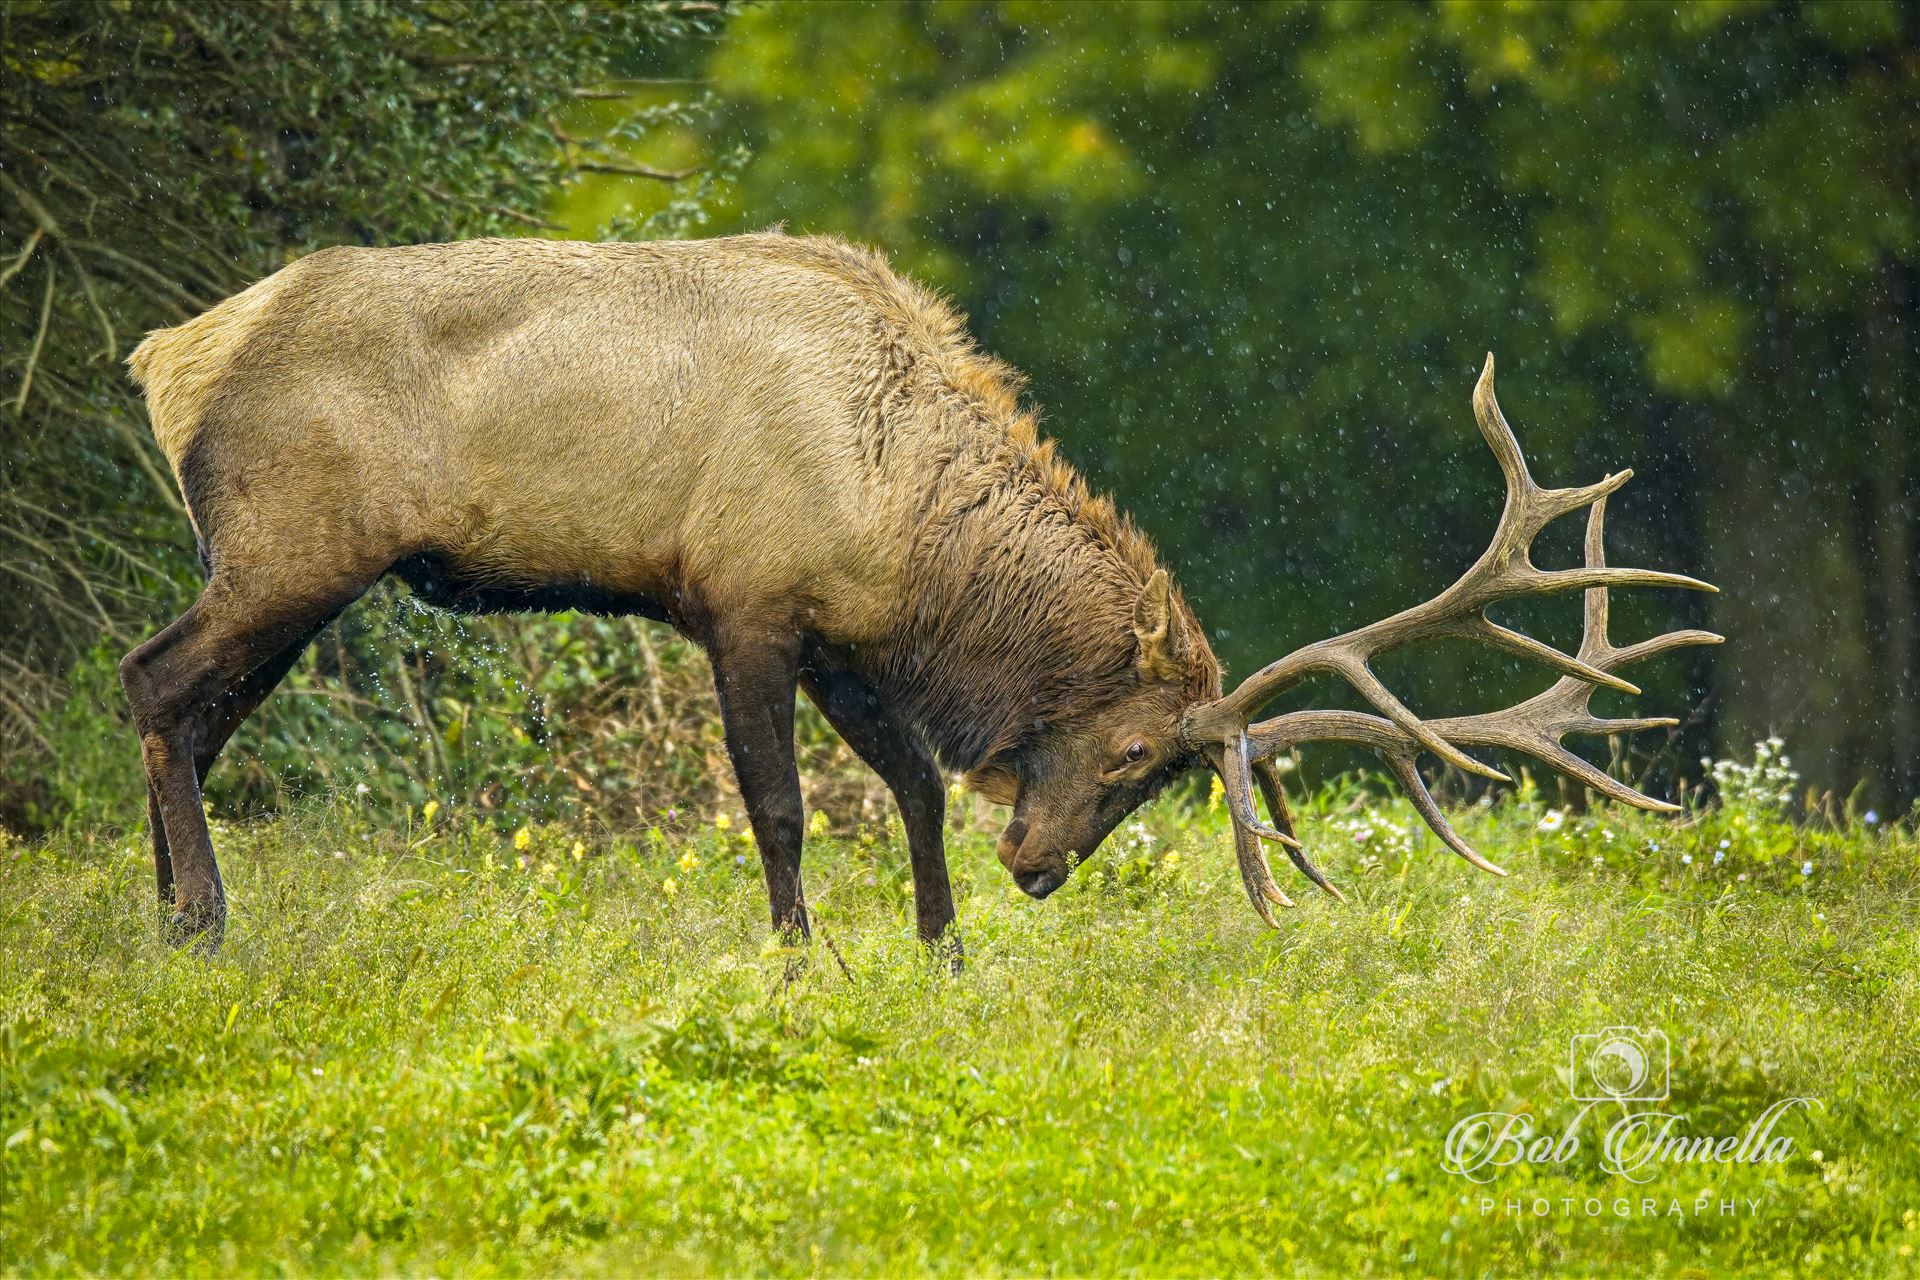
201	925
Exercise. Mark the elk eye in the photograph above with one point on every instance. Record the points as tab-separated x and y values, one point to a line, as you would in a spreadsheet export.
1136	752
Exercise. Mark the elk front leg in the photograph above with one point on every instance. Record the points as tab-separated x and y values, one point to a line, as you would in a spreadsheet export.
907	767
756	676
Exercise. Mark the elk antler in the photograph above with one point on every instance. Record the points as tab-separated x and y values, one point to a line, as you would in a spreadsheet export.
1241	751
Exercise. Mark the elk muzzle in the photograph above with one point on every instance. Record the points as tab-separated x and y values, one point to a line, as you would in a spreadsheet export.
1037	872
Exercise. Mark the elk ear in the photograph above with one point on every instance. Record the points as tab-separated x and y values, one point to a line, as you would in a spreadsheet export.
1158	630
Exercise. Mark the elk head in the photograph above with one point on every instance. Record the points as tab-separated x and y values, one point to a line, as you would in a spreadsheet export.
1072	782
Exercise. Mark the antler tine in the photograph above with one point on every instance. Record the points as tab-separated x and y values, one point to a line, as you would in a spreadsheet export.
1499	436
1268	777
1237	770
1499	637
1404	769
1230	762
1531	507
1235	767
1257	876
1241	749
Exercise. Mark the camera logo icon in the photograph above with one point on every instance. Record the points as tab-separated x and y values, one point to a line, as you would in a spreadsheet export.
1620	1064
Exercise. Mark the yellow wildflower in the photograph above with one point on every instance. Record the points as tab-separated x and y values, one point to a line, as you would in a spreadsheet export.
688	861
579	851
523	837
669	886
429	809
1215	790
721	822
817	824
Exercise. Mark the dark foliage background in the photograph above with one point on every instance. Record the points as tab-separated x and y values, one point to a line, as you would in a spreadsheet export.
1249	254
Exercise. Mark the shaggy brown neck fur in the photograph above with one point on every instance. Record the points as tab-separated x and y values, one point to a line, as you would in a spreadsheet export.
1022	608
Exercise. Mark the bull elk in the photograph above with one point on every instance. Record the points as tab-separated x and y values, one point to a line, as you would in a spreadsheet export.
799	460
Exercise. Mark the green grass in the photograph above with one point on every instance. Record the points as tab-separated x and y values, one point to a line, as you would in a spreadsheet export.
415	1054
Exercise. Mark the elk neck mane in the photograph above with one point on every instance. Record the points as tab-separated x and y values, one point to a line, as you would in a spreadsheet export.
1023	581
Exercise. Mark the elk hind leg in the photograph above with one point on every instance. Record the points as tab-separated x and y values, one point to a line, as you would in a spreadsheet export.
189	687
217	725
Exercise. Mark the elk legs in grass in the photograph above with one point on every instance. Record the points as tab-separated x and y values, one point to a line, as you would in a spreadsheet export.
216	725
854	710
189	687
757	676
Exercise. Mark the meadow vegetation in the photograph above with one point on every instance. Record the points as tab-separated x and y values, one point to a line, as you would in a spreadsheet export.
434	1043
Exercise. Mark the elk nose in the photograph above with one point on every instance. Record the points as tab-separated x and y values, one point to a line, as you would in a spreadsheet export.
1010	841
1039	883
